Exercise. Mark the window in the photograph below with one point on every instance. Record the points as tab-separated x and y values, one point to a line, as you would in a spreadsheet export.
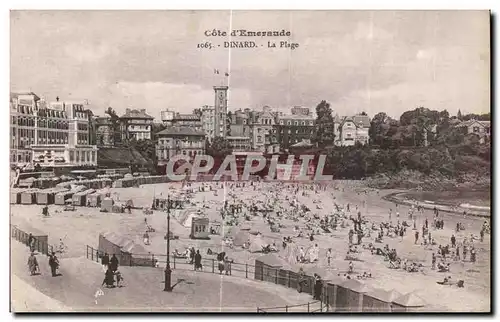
296	123
303	123
288	123
487	129
281	122
476	129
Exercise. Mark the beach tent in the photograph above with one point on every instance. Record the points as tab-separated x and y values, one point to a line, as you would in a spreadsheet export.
407	303
188	220
256	244
332	286
240	238
379	300
350	296
126	250
267	268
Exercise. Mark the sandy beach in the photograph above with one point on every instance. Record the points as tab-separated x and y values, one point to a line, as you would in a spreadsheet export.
82	227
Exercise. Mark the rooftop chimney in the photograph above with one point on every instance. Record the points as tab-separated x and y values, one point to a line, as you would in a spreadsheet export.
57	99
143	110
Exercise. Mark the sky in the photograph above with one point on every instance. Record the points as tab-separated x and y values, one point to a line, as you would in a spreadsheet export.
371	61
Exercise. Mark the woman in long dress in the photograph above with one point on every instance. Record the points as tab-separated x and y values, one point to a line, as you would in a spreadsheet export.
32	264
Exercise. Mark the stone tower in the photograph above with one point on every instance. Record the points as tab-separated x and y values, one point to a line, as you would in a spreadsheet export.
220	111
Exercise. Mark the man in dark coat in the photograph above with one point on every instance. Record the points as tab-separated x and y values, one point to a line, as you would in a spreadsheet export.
105	260
113	263
197	260
54	264
318	287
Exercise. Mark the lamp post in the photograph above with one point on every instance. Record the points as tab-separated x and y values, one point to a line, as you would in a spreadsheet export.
168	271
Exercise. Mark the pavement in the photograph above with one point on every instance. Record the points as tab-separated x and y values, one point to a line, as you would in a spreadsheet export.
74	290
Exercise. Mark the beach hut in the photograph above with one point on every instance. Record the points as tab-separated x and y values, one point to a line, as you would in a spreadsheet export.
200	228
15	196
409	302
94	199
267	268
28	197
350	296
379	300
47	196
80	198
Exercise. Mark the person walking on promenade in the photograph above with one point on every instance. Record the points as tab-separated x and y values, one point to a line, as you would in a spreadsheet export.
105	261
113	263
453	240
30	242
227	265
197	261
54	264
32	264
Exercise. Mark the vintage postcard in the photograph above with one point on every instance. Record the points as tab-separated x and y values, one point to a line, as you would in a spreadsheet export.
250	161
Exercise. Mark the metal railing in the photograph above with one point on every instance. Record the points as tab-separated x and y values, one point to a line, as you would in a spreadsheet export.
38	245
210	265
309	307
290	280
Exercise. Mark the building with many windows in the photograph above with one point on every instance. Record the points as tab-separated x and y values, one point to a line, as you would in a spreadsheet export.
178	140
50	134
136	124
239	143
294	128
208	121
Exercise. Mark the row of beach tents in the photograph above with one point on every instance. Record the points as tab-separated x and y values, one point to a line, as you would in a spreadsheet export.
340	294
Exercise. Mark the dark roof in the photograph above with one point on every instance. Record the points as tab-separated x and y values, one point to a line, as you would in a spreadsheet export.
362	120
470	122
180	131
136	114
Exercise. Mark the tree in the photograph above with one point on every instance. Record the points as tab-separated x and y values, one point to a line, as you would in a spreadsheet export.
147	148
364	113
324	135
220	147
198	112
115	126
459	115
378	128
